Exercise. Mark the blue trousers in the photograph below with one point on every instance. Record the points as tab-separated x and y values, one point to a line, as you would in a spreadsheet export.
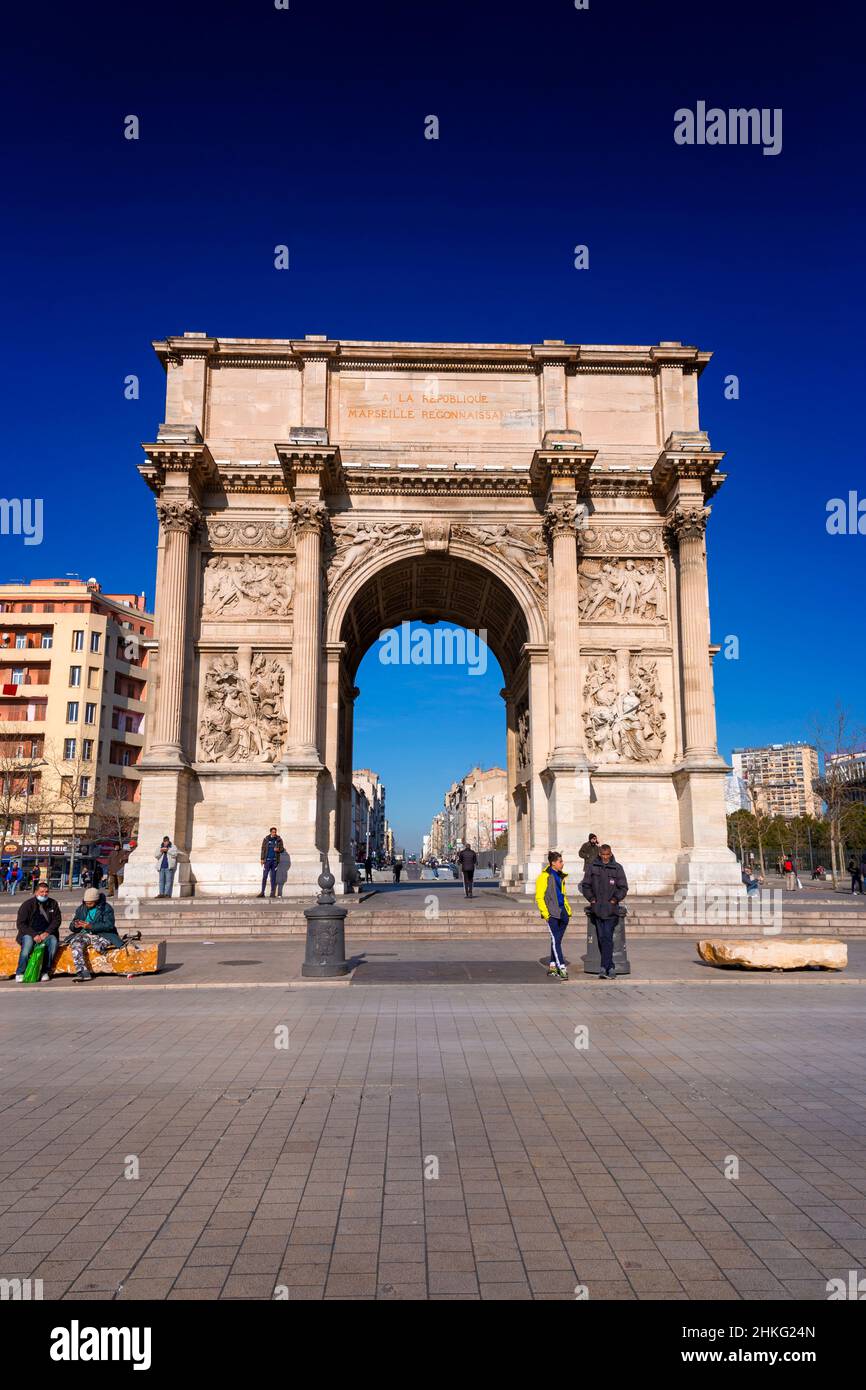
270	869
604	929
557	927
166	882
27	945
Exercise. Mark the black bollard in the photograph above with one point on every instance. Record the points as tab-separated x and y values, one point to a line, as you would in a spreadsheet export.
325	957
592	959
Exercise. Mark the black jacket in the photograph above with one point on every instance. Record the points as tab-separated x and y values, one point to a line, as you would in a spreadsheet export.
467	859
278	848
604	886
30	921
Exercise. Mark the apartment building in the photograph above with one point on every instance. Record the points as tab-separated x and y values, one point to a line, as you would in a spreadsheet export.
370	829
73	688
476	811
780	778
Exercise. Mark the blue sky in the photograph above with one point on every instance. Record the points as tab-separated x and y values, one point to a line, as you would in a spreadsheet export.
305	127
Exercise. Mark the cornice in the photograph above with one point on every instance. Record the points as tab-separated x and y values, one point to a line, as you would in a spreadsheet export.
343	355
389	482
166	457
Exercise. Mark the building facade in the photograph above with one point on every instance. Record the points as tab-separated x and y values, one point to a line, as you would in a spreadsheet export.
312	492
73	700
476	812
371	832
780	778
848	770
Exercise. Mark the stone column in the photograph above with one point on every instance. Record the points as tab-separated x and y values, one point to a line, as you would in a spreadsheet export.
308	519
178	519
302	815
686	527
508	871
168	777
704	859
566	777
560	522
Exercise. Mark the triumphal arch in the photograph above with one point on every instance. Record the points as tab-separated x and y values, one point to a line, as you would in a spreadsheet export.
313	493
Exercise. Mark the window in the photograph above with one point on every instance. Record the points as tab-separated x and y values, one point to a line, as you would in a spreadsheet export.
78	639
90	714
78	607
47	640
75	675
27	608
72	712
87	749
94	641
84	786
21	640
48	608
19	675
68	749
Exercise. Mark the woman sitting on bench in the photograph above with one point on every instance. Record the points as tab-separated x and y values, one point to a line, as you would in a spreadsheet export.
93	926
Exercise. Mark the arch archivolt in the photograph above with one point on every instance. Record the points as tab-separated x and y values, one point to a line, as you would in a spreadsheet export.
353	578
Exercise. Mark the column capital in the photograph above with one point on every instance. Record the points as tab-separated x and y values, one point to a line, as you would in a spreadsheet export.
562	518
179	514
686	523
308	517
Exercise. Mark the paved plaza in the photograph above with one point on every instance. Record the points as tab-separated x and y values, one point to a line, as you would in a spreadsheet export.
441	1141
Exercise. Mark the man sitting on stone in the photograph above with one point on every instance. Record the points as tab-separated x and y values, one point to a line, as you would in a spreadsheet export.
38	921
92	926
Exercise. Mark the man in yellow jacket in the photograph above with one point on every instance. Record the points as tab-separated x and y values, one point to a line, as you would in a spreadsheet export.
555	909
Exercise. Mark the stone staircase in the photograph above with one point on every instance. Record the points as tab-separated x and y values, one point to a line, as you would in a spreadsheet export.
647	917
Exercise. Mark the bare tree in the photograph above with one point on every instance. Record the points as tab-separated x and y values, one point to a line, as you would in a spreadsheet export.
21	795
73	796
836	739
116	816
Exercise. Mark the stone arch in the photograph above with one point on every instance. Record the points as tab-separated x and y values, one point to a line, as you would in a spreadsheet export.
526	601
468	585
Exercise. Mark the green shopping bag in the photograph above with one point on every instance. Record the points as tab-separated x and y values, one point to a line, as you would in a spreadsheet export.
34	964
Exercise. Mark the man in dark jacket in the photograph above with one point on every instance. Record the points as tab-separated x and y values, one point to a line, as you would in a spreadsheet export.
116	861
93	926
38	920
589	850
467	859
604	886
272	849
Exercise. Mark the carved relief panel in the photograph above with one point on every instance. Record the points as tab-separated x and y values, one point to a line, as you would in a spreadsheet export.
623	716
247	586
242	709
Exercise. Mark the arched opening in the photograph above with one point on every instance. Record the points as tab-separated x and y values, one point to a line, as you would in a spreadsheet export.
428	588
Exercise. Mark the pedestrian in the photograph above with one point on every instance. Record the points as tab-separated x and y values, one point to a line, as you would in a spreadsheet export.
604	886
92	926
96	875
856	875
790	875
17	878
166	859
116	860
38	921
398	869
750	881
552	903
84	878
589	850
368	869
271	853
467	859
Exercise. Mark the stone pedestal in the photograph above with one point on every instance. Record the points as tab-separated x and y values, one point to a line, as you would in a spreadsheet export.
164	812
299	802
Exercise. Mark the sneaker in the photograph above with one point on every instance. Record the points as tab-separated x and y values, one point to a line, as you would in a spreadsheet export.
563	973
81	976
19	979
602	974
611	974
552	970
43	978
